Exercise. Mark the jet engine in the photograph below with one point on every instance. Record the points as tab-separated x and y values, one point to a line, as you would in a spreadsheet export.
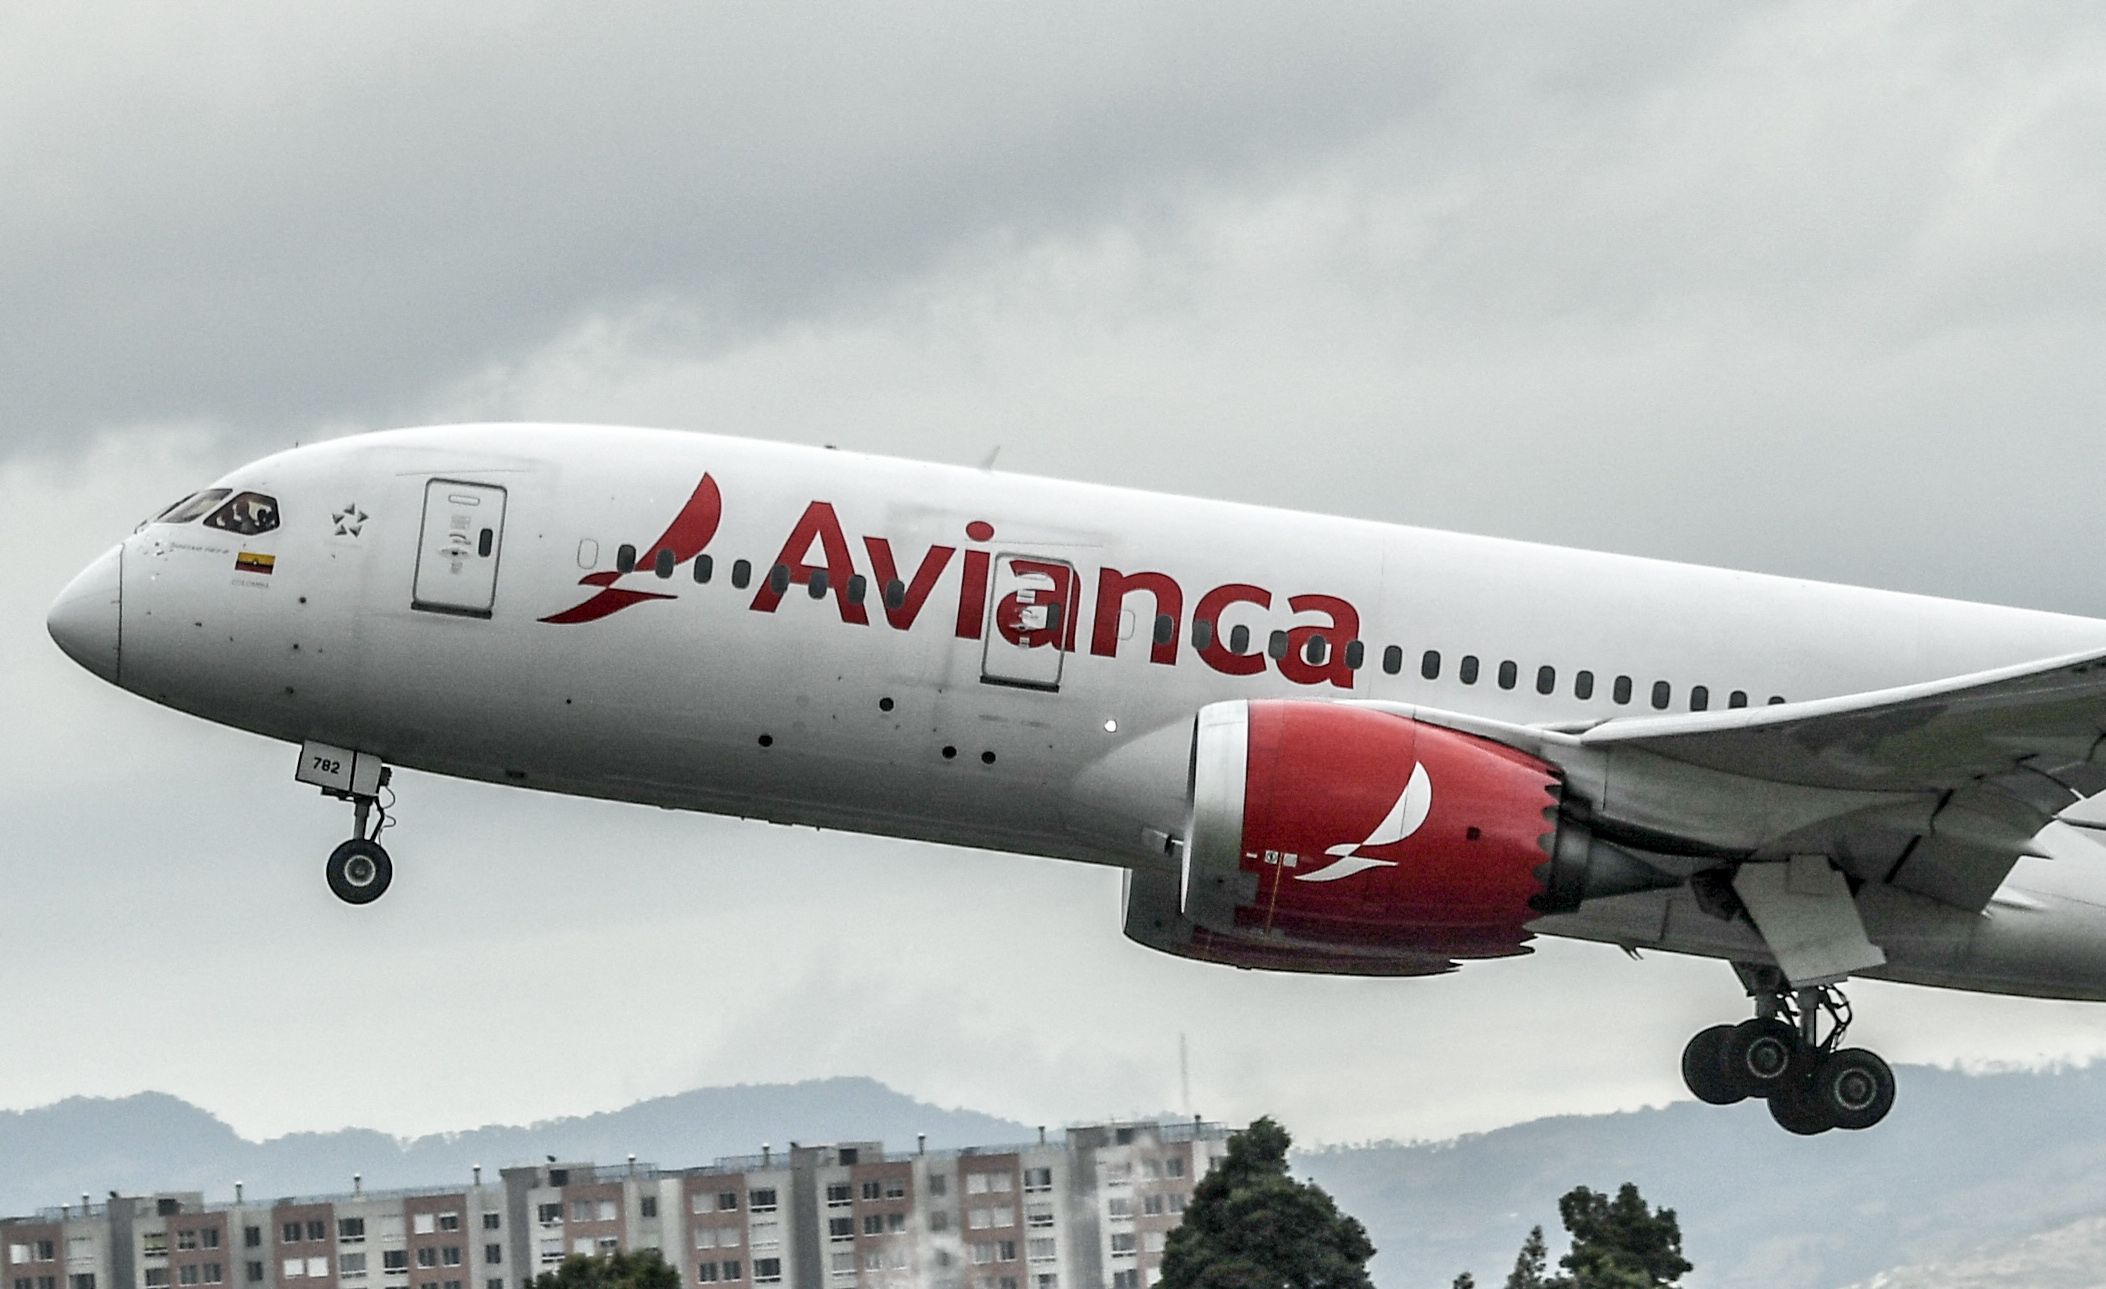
1353	830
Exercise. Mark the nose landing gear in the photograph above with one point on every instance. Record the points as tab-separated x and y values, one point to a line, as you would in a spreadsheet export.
1810	1080
359	871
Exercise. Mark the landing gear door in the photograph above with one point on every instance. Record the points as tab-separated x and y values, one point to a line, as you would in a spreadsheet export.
1031	624
464	525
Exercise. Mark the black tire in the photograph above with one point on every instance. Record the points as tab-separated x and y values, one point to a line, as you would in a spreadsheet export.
1793	1107
359	871
1853	1088
1763	1055
1704	1067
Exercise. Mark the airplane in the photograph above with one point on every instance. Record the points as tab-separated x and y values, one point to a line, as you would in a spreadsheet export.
1313	744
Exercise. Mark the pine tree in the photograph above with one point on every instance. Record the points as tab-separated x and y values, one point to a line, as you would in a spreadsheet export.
1529	1266
1619	1243
1464	1281
1251	1226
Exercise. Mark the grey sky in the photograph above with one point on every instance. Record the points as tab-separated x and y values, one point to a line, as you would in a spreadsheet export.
1811	288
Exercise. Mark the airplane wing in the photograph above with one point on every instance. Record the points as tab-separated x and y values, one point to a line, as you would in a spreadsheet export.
1969	769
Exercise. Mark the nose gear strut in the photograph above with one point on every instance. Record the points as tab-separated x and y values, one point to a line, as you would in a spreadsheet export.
359	870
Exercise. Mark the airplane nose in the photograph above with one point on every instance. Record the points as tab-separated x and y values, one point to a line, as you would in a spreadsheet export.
84	620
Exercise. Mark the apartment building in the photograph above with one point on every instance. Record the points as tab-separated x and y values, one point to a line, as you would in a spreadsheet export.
1088	1211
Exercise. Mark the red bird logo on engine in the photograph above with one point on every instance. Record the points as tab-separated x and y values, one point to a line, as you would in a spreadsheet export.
1403	819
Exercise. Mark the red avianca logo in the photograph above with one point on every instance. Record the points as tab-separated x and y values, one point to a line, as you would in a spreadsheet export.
1045	611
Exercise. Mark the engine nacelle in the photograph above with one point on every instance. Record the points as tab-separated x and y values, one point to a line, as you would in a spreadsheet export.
1334	825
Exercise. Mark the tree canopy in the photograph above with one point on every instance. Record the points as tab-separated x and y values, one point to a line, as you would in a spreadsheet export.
1251	1226
643	1269
1617	1243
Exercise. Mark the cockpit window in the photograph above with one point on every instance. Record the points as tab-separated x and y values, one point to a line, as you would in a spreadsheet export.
247	514
190	507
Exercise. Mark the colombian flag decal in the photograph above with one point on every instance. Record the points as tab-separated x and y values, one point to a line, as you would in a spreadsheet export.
251	562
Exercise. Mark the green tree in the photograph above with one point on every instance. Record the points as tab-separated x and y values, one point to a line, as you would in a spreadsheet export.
643	1269
1619	1243
1464	1281
1530	1264
1251	1226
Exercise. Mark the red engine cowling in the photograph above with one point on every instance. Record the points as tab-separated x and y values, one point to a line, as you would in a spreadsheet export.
1326	824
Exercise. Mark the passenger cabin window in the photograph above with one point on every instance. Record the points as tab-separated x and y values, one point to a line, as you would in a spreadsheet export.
741	573
1316	651
663	563
1467	673
1165	628
1699	698
1775	699
815	584
1508	674
1239	639
1583	685
1546	679
704	568
245	515
1430	665
1622	691
1202	634
1738	698
190	507
1276	644
895	594
779	579
1355	655
1393	660
1663	694
625	558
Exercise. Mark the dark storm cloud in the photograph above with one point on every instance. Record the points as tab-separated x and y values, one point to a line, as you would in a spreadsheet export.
274	219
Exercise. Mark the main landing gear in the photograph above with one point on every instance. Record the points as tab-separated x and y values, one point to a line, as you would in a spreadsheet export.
1811	1081
359	870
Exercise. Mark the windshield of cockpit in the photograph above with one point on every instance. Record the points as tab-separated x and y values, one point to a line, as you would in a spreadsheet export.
244	513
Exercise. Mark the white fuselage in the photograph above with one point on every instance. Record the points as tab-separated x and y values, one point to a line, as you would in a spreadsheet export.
725	699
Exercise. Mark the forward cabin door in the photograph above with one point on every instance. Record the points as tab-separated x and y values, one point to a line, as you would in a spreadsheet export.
1031	622
464	525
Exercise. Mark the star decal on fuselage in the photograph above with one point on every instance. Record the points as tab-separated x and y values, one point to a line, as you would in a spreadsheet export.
350	520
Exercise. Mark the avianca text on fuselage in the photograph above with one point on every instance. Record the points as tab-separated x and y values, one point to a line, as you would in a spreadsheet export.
818	557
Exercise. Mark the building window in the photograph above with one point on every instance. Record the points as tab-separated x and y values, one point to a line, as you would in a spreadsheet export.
939	1184
873	1224
251	1237
1126	1280
839	1193
185	1241
289	1233
187	1274
493	1254
1005	1250
154	1244
843	1263
427	1256
157	1277
767	1271
1119	1207
1042	1249
318	1230
394	1259
873	1190
895	1188
732	1270
449	1221
983	1252
1038	1179
1152	1241
1122	1243
351	1264
706	1273
1046	1280
895	1221
451	1255
350	1230
939	1220
841	1228
81	1280
761	1201
252	1272
1152	1205
549	1214
647	1206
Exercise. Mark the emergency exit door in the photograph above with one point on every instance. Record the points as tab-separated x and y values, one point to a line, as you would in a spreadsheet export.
464	525
1031	621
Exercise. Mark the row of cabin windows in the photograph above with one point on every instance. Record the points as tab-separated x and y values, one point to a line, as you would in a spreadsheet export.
1315	652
